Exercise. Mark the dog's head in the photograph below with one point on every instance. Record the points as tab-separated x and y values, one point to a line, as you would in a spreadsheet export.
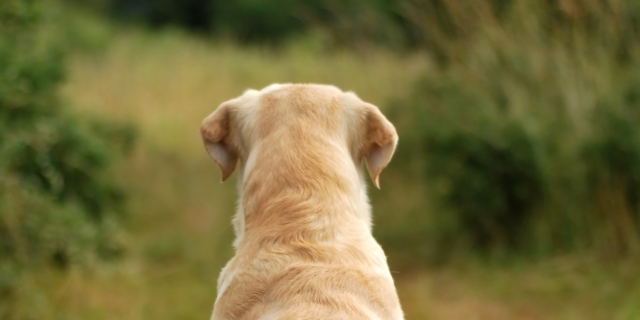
232	131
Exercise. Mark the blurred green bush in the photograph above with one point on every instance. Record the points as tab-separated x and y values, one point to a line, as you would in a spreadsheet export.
57	200
528	130
352	23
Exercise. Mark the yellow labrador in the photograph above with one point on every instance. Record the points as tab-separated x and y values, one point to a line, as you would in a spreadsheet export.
304	248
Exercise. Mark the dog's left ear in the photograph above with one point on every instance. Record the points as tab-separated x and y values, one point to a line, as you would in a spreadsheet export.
381	141
215	132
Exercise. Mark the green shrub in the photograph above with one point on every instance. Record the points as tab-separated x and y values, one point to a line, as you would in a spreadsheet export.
493	186
58	203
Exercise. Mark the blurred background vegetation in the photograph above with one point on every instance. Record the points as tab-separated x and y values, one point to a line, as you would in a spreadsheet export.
514	193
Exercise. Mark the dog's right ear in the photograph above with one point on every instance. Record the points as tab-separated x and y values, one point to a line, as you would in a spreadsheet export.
215	132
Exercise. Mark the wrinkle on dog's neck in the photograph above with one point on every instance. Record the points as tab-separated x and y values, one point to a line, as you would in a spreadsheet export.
314	192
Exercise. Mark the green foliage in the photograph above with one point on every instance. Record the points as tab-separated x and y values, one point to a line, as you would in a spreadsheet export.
494	186
528	131
441	26
192	14
346	23
255	20
57	200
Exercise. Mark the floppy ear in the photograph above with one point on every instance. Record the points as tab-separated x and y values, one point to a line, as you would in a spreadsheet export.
381	141
215	136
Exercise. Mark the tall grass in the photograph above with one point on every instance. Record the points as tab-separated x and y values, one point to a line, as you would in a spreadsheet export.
527	133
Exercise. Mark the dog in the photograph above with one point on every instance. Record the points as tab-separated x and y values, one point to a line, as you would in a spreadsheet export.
304	248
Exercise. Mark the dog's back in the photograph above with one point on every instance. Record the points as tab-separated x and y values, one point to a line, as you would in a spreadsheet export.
304	248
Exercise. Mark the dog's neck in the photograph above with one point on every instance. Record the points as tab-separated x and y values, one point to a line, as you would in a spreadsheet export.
316	191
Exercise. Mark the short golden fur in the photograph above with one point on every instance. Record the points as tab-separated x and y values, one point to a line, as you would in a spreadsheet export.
304	248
